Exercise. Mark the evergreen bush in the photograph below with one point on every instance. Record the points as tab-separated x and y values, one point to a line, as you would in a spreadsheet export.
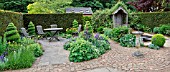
158	39
12	33
75	24
88	27
31	29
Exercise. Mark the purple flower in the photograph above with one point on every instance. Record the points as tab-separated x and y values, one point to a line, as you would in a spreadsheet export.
2	58
97	36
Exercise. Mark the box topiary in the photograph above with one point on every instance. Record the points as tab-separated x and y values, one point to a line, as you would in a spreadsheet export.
31	29
88	27
12	33
158	39
75	24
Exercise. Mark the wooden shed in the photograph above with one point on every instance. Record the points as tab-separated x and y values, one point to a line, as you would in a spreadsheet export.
120	17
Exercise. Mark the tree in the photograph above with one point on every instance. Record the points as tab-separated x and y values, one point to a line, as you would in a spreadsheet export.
94	4
15	5
46	6
149	5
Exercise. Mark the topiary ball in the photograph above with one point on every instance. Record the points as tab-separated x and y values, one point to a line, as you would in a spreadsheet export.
158	39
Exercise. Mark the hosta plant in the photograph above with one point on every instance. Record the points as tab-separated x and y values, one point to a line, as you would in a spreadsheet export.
128	40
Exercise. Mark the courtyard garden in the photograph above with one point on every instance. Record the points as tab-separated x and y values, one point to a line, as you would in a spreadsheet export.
119	36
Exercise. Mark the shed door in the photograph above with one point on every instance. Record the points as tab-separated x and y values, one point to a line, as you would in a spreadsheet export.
119	19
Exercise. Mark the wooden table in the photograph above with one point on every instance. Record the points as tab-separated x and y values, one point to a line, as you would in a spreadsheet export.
54	35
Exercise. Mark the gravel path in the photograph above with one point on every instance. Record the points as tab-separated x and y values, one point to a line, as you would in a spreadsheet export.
118	59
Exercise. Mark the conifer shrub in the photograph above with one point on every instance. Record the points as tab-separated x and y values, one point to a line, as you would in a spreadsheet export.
75	24
31	29
12	33
158	40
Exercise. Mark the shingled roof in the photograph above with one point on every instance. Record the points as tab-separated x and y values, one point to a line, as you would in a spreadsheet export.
84	10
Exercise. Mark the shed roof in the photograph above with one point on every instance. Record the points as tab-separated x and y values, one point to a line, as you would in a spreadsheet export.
84	10
120	8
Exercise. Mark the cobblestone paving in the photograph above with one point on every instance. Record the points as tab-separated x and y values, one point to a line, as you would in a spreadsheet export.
118	59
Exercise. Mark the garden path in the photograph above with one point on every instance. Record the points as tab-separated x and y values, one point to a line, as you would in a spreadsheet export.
116	60
53	53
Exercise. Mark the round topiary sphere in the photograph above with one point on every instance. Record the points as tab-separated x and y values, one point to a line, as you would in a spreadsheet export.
158	39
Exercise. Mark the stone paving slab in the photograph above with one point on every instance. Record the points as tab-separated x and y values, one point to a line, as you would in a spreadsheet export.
54	52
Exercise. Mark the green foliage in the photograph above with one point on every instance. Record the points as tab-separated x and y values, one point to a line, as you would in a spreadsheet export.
27	41
8	17
23	58
3	44
101	45
141	27
94	4
88	27
128	40
156	30
119	32
75	24
2	65
62	20
86	18
164	29
71	30
36	49
154	19
108	32
12	33
20	55
31	29
82	50
103	18
48	6
67	45
16	5
158	39
152	46
100	29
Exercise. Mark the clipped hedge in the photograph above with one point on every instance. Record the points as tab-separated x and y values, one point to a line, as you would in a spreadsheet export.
153	19
62	20
7	17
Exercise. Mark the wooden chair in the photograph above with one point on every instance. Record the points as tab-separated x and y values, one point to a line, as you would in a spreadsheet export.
76	33
41	32
24	33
